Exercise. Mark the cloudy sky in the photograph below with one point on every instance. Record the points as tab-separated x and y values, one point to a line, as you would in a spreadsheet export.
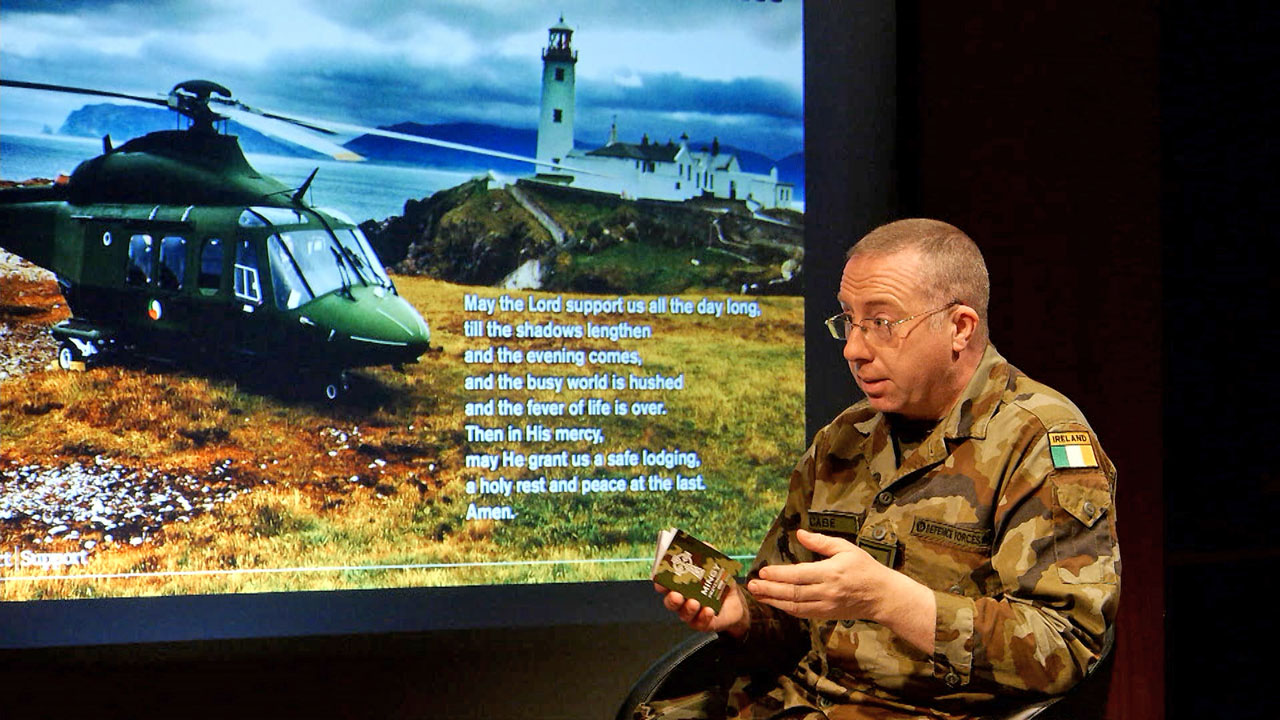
726	68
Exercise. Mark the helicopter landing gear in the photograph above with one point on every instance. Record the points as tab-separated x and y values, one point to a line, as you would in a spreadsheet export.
78	341
335	385
68	356
74	354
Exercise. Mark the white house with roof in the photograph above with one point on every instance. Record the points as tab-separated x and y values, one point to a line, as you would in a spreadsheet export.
659	171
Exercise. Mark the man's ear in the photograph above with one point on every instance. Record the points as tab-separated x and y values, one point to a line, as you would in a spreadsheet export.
964	327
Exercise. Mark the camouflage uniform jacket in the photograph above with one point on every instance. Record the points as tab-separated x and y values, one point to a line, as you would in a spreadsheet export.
995	511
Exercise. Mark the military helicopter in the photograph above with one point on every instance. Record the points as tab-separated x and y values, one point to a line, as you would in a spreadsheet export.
173	245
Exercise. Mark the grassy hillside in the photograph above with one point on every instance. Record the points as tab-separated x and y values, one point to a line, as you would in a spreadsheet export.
162	480
476	235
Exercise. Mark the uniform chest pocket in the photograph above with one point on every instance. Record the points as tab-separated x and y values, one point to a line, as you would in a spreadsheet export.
951	557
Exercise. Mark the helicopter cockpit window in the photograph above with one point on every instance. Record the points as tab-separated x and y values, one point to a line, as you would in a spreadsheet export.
211	265
173	263
318	260
247	286
286	278
141	260
355	241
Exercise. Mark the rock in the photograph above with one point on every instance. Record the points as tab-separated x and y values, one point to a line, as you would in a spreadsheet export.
102	498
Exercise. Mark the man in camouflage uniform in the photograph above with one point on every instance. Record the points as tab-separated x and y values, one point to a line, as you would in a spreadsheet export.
948	544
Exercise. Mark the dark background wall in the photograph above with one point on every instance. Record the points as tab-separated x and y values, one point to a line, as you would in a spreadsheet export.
1115	164
1220	153
1038	133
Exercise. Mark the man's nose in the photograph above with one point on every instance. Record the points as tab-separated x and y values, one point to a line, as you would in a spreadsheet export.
856	349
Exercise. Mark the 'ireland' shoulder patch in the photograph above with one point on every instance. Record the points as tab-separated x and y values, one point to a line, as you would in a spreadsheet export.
1072	450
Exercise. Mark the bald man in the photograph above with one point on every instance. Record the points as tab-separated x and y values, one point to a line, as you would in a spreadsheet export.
948	544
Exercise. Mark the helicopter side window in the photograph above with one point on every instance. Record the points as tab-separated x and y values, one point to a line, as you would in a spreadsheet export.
211	265
286	279
247	286
173	263
141	260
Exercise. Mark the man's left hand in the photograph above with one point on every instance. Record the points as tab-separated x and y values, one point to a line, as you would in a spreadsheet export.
848	584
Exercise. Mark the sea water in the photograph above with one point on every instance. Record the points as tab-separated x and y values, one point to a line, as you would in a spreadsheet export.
362	190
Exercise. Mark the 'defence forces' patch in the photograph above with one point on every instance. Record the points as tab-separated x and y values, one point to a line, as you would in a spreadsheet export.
954	535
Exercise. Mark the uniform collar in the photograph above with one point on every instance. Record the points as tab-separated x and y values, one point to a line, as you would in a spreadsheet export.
968	417
978	403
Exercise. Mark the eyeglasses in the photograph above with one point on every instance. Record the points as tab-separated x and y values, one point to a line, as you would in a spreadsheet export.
878	330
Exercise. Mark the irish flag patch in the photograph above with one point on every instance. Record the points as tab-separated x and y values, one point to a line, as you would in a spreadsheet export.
1072	450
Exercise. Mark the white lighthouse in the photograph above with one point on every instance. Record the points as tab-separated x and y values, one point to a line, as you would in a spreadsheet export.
651	170
555	126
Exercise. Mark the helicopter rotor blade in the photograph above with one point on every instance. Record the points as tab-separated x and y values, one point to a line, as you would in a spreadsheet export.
290	132
162	102
263	120
237	105
334	128
423	140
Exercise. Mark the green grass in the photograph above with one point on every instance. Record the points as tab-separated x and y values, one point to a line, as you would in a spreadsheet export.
298	457
657	269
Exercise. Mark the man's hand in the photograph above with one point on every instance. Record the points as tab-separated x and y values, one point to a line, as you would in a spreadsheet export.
849	585
732	617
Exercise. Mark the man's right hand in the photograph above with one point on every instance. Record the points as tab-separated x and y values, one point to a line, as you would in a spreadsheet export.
732	618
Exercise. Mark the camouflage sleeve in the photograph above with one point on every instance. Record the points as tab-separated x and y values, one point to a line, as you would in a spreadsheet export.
1056	563
774	634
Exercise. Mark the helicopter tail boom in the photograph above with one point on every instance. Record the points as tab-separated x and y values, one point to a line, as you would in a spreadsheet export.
29	218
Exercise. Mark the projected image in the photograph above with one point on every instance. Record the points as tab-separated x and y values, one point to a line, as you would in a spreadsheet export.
296	297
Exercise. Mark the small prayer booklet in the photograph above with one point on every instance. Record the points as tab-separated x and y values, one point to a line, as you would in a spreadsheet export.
693	568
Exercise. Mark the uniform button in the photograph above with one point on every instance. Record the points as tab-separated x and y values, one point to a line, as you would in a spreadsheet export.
825	702
952	679
878	533
847	623
1089	509
956	590
885	498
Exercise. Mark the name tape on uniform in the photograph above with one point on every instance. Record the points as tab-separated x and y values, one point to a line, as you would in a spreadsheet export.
838	523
